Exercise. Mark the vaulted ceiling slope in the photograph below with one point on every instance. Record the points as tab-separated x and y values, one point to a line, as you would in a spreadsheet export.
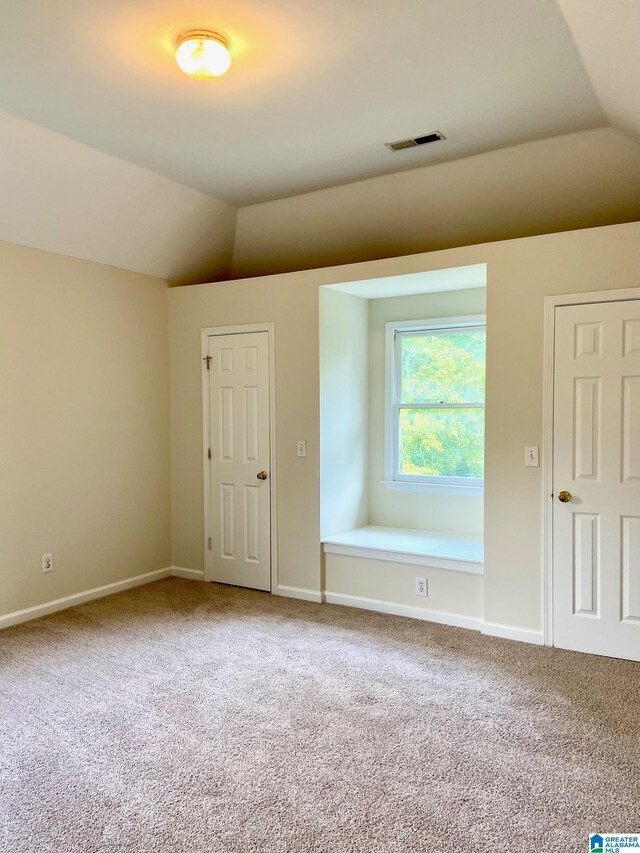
581	180
607	33
61	196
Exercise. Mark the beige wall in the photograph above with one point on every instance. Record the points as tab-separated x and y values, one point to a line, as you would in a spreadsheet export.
446	513
84	433
291	302
344	409
576	181
520	273
84	426
455	593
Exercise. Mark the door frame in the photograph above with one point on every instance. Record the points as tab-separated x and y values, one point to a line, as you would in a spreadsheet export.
550	304
205	334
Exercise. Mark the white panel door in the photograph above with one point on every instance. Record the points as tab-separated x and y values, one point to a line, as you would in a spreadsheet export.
596	459
240	545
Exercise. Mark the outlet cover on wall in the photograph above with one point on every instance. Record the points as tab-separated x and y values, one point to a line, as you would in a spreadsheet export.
47	563
422	587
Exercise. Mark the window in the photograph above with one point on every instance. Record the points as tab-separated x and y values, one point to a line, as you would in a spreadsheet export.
435	405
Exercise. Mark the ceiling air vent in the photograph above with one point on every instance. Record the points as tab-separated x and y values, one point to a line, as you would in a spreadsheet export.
401	144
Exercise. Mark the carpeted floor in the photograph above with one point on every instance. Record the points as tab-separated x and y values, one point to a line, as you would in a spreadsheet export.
189	717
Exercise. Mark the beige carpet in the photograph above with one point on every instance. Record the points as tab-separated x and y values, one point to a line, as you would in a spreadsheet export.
191	717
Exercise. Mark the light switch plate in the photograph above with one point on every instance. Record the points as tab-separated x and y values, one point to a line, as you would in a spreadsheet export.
531	458
301	448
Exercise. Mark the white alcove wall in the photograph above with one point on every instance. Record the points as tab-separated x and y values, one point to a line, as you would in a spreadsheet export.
344	411
352	401
378	543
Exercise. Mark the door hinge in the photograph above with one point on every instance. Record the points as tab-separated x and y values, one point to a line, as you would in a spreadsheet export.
208	358
210	544
209	452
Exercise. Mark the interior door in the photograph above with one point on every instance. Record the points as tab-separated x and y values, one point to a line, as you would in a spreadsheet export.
596	482
239	451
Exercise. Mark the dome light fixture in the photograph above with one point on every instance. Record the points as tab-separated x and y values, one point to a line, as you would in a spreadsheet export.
203	54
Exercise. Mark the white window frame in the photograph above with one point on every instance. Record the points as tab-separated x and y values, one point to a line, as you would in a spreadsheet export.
394	480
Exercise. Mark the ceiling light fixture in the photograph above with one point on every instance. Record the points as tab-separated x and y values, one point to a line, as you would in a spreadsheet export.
203	54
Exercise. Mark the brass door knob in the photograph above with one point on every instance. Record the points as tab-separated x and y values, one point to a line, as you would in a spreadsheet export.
262	475
564	497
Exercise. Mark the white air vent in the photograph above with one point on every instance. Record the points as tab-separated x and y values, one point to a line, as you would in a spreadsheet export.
401	144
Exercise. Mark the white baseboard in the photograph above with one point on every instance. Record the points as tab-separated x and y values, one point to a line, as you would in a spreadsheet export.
189	574
298	592
503	631
80	598
404	610
507	632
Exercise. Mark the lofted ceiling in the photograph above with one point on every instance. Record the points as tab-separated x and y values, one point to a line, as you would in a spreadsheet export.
315	89
607	33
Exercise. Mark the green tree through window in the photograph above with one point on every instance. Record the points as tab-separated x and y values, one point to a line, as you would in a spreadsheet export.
440	383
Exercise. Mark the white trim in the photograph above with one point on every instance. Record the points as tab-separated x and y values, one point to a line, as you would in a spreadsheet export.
431	487
447	564
547	471
378	606
241	329
389	394
302	594
508	632
81	597
550	305
462	322
206	435
205	334
188	574
392	479
626	295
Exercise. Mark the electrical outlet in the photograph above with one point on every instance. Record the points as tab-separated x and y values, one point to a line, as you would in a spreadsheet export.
301	448
422	587
47	563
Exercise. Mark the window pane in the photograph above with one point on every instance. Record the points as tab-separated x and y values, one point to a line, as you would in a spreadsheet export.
443	368
442	442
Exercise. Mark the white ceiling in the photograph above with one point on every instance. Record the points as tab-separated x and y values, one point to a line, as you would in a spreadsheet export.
607	33
315	89
432	281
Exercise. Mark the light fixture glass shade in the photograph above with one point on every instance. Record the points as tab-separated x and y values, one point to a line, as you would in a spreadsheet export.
203	54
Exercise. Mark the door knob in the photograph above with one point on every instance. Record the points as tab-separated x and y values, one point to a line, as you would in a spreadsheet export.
564	497
262	475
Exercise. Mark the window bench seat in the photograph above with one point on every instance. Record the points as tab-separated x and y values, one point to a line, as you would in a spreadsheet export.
447	551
